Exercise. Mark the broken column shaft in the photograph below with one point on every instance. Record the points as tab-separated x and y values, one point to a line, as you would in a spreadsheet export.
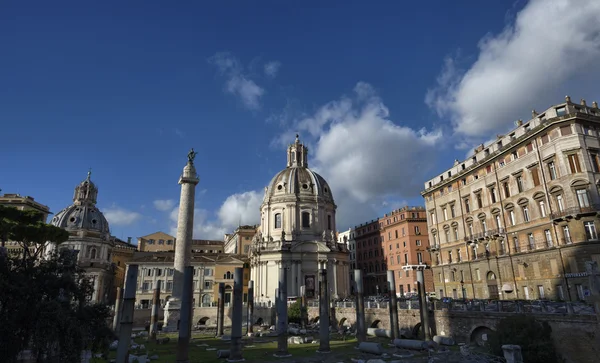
393	304
154	316
127	317
323	313
236	316
282	315
361	331
185	322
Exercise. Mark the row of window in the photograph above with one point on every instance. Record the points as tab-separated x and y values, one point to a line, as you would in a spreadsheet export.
565	130
160	241
379	239
305	220
532	243
149	272
583	200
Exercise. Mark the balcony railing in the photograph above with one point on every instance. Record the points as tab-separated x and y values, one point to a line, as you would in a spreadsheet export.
483	235
575	211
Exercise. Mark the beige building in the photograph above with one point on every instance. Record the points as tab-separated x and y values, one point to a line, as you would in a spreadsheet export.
239	242
209	271
122	253
19	202
162	242
519	219
25	203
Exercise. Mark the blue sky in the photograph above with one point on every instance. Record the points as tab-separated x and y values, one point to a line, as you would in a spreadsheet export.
386	94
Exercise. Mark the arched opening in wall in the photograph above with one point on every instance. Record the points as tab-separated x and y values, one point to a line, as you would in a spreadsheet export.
93	254
417	332
259	321
481	336
228	293
206	300
315	320
376	324
204	321
342	322
492	285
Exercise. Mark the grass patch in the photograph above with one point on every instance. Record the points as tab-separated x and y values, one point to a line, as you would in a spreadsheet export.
254	349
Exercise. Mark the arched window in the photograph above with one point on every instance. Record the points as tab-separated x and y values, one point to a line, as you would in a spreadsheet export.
305	220
93	253
228	275
206	299
329	221
278	220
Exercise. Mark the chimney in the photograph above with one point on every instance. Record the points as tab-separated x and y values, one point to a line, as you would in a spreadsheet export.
568	99
534	113
583	102
595	104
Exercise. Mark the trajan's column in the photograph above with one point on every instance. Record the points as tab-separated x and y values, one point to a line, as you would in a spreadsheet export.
185	229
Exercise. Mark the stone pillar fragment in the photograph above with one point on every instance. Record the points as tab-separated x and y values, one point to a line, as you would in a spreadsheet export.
154	316
117	315
221	309
251	307
361	331
323	313
303	310
185	324
236	316
393	305
127	317
423	305
282	315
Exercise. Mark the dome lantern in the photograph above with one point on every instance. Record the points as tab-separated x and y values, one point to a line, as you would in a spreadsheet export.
297	154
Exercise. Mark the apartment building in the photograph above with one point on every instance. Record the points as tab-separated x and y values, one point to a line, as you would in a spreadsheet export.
162	242
519	219
370	258
209	270
403	235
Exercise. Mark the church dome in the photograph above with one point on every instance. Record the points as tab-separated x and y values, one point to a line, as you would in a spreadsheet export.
83	214
297	179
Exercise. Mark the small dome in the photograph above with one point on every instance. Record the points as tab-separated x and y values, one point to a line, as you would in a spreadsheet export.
77	217
297	178
83	214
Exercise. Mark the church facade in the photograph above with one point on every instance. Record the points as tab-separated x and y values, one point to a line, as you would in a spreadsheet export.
297	232
89	235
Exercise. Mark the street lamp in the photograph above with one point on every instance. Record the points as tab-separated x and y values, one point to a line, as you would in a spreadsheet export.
462	287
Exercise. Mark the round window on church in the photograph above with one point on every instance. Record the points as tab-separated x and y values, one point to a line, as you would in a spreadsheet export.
325	190
304	186
279	187
72	219
94	221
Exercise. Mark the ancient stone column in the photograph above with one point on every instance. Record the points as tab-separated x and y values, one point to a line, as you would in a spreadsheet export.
127	317
303	311
117	316
185	324
282	315
250	306
424	309
323	314
221	309
361	331
236	316
185	228
393	304
154	316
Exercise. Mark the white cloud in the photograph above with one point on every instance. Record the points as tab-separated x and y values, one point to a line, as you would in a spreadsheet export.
365	156
238	208
117	216
163	204
237	82
549	50
272	68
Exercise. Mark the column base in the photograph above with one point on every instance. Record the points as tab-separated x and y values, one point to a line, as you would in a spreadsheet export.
172	316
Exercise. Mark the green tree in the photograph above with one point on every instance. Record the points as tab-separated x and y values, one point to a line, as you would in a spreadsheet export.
44	302
534	337
295	312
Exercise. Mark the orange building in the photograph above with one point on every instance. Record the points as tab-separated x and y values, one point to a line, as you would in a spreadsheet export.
403	235
370	258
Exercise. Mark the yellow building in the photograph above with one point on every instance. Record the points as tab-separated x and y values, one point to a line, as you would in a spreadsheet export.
122	253
519	218
156	242
239	242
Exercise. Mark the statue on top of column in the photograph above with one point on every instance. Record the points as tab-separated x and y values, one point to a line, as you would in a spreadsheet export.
191	156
